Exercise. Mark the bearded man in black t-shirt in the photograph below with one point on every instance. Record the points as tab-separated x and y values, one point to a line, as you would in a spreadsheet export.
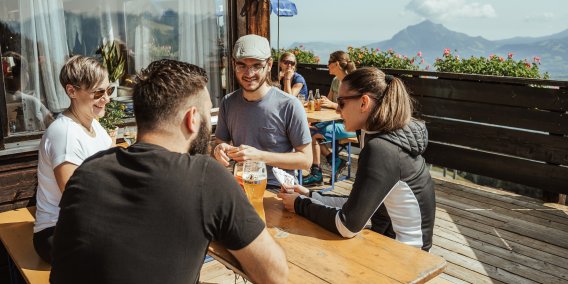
147	213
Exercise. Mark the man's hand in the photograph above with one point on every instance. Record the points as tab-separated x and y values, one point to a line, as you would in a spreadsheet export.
220	153
244	153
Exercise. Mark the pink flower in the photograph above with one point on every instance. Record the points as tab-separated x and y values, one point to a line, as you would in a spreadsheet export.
397	55
390	50
501	58
405	57
510	55
491	56
446	51
412	61
419	54
377	49
422	61
427	67
536	59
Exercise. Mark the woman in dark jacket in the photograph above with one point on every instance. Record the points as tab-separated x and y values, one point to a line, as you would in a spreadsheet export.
393	188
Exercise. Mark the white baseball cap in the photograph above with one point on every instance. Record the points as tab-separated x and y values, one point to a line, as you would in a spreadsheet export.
252	46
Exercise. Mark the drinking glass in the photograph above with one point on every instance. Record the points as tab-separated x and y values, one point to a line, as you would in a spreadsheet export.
129	136
254	181
238	173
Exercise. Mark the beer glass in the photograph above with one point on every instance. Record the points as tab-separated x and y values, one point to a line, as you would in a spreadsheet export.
238	173
129	136
254	181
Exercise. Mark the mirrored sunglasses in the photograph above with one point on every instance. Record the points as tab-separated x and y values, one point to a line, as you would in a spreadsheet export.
97	94
289	62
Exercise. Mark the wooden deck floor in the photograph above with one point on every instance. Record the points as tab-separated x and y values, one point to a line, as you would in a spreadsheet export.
486	235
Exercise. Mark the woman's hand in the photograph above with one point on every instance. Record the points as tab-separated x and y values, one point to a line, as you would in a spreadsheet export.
287	188
288	200
325	102
288	74
289	193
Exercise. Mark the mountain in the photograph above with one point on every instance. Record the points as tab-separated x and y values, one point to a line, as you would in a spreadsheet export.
524	40
432	39
552	52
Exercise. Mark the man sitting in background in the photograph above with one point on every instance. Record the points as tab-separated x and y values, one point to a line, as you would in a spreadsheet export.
146	214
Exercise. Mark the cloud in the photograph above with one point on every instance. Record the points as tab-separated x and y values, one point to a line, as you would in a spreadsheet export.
447	9
544	17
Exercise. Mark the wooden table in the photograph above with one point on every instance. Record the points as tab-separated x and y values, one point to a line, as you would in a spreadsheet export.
316	255
323	115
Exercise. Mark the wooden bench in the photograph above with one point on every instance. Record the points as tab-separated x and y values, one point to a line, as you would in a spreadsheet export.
16	233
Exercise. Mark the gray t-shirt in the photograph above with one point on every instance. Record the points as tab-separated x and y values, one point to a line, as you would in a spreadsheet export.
276	123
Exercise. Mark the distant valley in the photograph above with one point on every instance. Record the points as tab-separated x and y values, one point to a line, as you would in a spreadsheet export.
431	39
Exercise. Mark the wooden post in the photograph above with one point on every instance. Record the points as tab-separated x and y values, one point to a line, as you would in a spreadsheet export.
256	19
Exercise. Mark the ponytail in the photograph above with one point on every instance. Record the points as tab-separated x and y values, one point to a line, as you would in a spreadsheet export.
393	106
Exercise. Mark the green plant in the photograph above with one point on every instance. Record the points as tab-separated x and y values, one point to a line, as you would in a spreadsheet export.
114	115
364	56
493	65
114	59
302	55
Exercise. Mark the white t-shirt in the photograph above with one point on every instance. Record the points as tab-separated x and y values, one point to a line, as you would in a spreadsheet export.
64	141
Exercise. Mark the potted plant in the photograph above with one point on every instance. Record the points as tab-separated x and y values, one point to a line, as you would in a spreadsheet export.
114	115
114	59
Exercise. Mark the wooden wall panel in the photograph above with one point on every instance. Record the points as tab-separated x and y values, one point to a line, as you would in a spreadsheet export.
529	145
498	127
542	175
18	180
527	118
554	99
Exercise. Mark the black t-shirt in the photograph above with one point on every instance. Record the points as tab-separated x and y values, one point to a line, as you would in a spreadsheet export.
146	215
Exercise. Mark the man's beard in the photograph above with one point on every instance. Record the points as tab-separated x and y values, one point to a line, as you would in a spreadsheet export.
201	143
262	81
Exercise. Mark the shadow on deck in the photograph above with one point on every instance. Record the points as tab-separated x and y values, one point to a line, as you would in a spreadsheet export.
488	235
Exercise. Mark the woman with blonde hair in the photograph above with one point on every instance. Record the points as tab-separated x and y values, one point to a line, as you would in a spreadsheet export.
340	65
73	137
291	81
393	188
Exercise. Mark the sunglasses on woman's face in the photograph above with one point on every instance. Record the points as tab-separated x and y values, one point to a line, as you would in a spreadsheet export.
341	100
289	62
97	94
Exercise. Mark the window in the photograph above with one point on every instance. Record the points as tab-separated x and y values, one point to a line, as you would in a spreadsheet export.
37	36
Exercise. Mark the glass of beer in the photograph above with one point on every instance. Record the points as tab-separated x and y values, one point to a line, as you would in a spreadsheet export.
254	181
238	173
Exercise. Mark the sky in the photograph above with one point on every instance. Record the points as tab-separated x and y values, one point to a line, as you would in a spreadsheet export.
366	21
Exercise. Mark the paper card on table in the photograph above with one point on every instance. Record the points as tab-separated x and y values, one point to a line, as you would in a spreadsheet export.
283	177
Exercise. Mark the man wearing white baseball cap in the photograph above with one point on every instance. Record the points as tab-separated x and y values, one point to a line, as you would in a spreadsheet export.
260	122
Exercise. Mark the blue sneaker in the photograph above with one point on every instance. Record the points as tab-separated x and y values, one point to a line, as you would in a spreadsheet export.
314	178
340	165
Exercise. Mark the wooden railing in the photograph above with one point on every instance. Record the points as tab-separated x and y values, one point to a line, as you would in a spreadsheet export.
511	129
